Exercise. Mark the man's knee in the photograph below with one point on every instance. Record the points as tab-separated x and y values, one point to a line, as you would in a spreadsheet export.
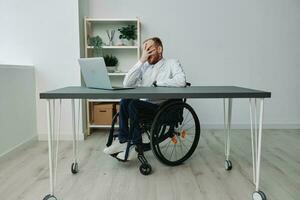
125	102
133	107
133	104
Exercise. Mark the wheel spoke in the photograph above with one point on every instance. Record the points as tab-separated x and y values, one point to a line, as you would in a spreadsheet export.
189	127
168	145
185	146
189	140
175	145
172	154
181	143
187	122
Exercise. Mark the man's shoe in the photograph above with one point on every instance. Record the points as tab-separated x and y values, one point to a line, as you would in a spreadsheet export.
131	154
115	147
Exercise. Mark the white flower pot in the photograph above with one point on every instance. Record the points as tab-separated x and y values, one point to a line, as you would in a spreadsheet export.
128	42
111	69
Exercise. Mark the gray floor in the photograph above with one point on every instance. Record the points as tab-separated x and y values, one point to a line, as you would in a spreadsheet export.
24	175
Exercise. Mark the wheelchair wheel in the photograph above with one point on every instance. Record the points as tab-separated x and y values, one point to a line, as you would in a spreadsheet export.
175	133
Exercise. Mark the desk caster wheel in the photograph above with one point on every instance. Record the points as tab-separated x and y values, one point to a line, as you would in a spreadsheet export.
259	196
49	197
145	169
228	165
74	168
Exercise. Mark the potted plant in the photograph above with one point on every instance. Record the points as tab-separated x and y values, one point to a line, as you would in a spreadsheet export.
128	34
111	62
96	42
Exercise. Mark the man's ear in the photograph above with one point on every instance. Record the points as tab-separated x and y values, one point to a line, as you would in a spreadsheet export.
159	49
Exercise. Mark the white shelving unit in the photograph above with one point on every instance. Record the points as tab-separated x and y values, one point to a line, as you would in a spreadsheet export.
127	55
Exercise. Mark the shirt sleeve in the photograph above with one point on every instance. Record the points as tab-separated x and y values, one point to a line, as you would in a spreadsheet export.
177	79
134	75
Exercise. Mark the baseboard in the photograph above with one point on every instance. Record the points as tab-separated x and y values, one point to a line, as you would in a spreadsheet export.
247	126
19	146
63	136
281	126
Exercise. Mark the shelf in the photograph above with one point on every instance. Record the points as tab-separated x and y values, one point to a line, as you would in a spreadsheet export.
101	126
116	47
117	74
111	20
103	100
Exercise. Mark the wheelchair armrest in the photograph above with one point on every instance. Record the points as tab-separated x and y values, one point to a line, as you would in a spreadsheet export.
188	84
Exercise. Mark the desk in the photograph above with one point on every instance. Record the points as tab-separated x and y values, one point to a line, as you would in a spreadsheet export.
227	93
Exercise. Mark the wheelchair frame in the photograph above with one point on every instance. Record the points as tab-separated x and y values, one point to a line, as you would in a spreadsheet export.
151	128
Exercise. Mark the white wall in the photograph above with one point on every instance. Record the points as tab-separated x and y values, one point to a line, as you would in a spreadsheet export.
44	34
249	43
17	107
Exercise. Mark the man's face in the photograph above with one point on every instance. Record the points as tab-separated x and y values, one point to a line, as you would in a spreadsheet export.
153	59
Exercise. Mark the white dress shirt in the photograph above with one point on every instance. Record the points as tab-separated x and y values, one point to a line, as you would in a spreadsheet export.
166	72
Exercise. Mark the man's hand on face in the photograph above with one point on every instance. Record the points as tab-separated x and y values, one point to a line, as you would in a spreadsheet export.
148	50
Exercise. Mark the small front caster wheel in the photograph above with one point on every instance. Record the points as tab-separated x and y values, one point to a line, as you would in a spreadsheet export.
74	168
49	197
145	169
259	196
228	165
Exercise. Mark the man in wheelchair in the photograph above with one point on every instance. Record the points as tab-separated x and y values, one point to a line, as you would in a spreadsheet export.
151	70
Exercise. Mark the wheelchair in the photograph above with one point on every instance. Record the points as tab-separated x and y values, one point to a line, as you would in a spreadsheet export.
174	133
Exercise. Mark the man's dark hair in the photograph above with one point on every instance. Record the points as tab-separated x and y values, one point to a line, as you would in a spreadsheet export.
156	41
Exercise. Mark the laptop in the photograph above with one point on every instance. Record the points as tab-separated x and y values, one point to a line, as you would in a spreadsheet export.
95	74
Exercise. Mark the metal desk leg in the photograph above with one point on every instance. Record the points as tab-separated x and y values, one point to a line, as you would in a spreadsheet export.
227	123
74	166
256	137
53	155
